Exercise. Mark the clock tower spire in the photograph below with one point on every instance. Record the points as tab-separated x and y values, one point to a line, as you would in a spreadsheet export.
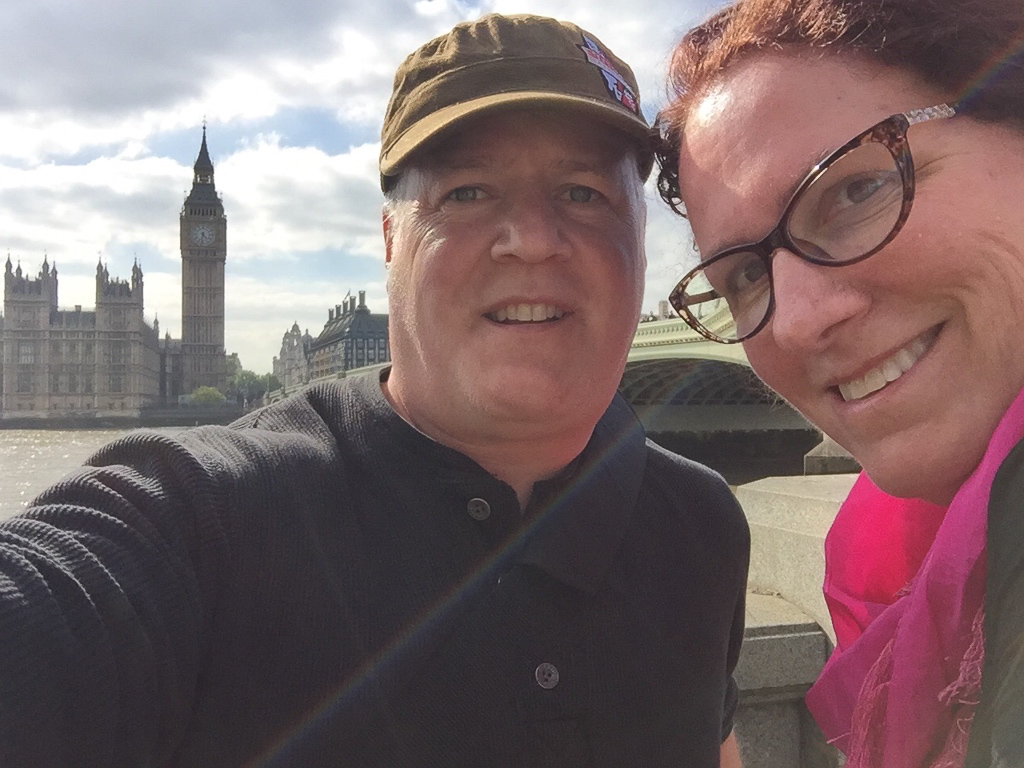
203	230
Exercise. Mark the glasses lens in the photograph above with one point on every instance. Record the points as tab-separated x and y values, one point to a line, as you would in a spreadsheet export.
728	296
851	208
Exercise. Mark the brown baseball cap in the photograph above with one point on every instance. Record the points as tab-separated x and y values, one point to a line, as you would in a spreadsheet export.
505	61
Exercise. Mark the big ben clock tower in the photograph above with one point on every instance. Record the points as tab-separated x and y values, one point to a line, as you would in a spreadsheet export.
203	253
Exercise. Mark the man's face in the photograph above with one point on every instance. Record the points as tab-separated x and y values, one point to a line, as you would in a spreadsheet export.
516	276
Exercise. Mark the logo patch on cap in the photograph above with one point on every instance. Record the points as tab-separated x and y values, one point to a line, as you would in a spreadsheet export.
617	85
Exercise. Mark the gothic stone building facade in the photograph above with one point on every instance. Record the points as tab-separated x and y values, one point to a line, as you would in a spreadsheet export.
58	362
108	361
290	367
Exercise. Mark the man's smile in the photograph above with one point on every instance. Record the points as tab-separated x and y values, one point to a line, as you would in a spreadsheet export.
526	313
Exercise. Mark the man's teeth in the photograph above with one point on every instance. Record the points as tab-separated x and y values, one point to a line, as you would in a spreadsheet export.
887	372
527	313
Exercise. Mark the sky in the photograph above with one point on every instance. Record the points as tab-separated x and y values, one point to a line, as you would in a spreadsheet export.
102	104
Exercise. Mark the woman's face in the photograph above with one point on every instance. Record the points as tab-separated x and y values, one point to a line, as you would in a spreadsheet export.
910	358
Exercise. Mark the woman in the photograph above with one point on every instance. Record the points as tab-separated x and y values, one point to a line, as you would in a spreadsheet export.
853	173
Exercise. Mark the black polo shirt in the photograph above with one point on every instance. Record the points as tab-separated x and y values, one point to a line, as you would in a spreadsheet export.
339	589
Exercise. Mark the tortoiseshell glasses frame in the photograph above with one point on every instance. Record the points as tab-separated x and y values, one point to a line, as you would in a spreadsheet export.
832	220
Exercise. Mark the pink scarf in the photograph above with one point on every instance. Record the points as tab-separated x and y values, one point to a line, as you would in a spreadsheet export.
905	585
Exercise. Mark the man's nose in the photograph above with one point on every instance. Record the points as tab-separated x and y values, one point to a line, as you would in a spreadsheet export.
530	230
811	302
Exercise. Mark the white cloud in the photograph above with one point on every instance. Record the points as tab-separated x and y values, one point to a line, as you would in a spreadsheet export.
288	199
99	111
75	212
670	251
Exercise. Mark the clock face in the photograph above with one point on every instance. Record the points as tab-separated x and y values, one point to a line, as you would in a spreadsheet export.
203	234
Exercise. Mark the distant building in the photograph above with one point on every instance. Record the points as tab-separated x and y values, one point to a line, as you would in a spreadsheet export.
203	229
291	367
59	362
108	360
172	371
665	312
352	338
232	366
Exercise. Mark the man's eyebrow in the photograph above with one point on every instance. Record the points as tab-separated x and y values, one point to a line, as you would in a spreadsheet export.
597	164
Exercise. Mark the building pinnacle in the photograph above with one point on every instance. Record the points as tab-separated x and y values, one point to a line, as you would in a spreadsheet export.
204	165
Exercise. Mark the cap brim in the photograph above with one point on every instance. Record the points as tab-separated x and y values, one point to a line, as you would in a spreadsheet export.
442	120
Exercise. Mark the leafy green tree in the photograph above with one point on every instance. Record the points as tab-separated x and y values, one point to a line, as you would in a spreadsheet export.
250	384
207	396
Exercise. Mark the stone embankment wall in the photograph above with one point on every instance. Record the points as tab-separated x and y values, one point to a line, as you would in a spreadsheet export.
788	635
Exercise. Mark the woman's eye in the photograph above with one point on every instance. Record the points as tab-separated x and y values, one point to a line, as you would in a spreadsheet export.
860	195
464	194
747	274
859	190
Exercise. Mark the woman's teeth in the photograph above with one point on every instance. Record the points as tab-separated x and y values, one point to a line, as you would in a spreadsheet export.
526	313
888	371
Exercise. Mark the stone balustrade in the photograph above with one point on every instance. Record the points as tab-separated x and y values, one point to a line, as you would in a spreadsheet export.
788	635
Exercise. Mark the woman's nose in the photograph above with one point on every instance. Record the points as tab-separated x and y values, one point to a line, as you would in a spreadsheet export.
811	301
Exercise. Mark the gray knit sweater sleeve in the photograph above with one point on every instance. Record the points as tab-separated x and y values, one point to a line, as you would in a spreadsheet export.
106	587
113	581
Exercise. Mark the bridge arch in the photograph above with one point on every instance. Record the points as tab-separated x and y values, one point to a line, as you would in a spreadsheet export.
702	400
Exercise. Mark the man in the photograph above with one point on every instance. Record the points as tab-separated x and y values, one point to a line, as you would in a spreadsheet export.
475	560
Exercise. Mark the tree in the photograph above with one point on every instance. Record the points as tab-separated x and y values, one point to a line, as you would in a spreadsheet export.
207	396
250	384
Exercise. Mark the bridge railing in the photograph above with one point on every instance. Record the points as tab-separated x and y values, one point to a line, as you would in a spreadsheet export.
673	338
654	340
283	392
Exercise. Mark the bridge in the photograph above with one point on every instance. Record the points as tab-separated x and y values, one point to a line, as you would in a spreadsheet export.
681	383
657	341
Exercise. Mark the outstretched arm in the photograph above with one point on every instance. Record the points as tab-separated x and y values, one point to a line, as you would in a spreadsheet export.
106	586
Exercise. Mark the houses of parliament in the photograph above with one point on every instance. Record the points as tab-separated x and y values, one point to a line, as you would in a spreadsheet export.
107	361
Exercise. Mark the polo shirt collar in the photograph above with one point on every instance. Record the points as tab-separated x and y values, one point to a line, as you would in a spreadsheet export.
575	522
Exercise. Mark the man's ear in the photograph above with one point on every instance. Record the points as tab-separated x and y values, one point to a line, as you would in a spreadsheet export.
385	220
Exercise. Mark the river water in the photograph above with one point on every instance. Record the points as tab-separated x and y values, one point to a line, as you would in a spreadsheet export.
32	459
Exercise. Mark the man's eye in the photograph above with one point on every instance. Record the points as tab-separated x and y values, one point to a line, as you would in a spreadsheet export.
582	194
464	194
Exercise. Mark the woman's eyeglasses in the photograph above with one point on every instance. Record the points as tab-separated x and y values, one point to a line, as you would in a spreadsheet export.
848	207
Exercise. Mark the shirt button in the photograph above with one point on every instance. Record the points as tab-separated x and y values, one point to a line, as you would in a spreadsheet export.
547	676
478	509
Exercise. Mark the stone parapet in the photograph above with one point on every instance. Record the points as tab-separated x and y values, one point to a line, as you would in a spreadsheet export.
789	634
789	517
783	651
829	458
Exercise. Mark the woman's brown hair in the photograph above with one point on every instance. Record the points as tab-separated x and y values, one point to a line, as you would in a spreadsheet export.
971	49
